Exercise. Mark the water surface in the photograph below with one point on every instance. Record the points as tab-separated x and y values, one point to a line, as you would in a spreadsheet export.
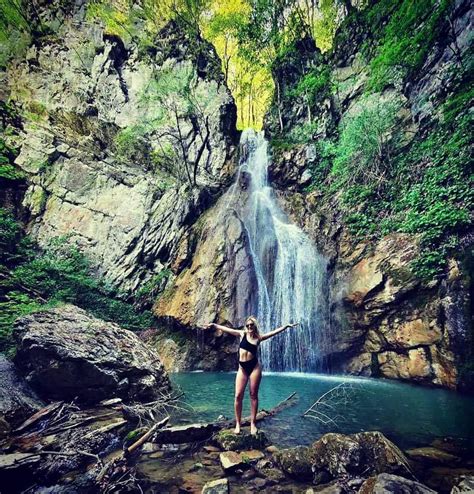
407	414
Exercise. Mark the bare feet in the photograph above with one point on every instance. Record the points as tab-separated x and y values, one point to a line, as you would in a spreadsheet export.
237	429
253	429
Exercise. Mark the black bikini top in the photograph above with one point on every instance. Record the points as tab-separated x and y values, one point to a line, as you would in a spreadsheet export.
246	345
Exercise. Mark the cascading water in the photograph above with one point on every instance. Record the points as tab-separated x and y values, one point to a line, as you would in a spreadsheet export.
290	273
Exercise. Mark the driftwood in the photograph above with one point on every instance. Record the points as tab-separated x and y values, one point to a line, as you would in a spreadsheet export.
40	415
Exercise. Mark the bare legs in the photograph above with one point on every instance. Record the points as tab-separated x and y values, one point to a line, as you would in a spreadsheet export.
240	383
255	379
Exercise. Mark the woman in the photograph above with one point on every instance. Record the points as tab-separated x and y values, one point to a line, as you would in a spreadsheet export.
249	366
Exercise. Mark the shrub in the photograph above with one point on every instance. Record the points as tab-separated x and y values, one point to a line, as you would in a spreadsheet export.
366	143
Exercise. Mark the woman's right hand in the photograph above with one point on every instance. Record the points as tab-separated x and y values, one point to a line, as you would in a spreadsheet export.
210	326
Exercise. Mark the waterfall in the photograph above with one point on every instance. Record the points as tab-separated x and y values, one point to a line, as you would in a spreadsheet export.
290	272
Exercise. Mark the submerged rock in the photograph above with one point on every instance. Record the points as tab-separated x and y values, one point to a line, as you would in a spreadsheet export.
66	353
387	484
432	456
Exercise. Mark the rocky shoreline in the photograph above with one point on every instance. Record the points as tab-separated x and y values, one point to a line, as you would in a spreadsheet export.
116	440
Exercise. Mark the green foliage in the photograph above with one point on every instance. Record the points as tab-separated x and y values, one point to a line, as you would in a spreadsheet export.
15	34
406	31
150	290
36	279
423	188
7	170
10	231
16	304
314	86
302	134
130	144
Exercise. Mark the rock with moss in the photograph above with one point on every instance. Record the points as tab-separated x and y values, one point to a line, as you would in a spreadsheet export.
230	441
296	462
17	400
365	453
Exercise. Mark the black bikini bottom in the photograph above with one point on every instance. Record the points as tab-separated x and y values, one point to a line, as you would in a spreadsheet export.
248	366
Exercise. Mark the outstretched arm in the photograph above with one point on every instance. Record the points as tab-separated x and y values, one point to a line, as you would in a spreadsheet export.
276	331
235	332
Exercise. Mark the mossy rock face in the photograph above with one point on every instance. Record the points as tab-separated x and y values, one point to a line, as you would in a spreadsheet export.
230	441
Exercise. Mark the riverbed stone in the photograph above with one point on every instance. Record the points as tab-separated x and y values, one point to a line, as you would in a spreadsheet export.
230	460
385	483
66	353
219	486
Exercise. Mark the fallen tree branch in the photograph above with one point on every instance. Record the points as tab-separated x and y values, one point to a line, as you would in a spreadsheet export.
145	436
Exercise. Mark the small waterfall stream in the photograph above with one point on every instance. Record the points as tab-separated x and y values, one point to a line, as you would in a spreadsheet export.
292	285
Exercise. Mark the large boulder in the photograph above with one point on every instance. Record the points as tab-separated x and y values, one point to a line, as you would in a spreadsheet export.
336	456
17	399
366	453
66	353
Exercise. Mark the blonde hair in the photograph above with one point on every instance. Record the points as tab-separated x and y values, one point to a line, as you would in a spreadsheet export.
255	322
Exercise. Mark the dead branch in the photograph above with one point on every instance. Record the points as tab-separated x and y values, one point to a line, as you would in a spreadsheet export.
144	438
325	408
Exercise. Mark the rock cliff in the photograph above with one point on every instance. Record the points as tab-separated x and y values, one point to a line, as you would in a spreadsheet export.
100	142
386	321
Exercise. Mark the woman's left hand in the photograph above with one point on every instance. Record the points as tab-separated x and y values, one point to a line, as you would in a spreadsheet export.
292	325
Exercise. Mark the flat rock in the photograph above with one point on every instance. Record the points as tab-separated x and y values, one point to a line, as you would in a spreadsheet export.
230	460
211	449
185	433
14	461
385	483
66	353
219	486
